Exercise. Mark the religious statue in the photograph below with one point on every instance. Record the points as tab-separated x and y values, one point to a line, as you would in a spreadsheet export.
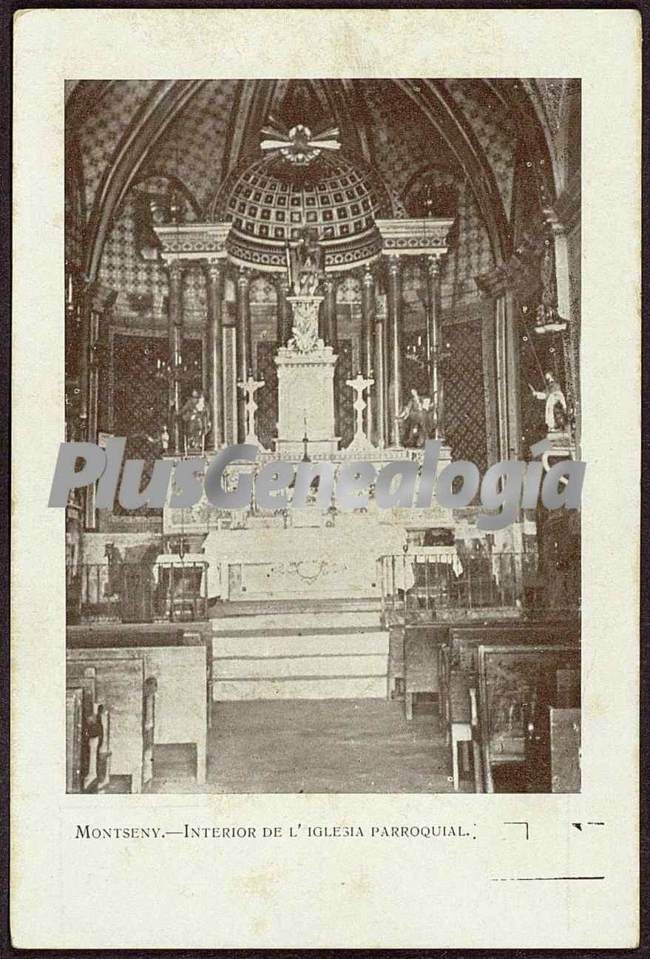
196	422
418	419
160	441
306	264
555	411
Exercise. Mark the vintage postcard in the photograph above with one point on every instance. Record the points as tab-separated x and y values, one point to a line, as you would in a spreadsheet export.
326	431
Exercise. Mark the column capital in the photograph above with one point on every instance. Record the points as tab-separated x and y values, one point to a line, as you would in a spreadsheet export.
175	268
244	277
394	264
281	282
368	276
434	264
213	266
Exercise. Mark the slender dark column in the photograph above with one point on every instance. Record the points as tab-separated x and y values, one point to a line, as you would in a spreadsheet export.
243	345
395	345
330	331
96	303
433	338
175	333
84	362
512	365
214	286
368	318
284	310
380	382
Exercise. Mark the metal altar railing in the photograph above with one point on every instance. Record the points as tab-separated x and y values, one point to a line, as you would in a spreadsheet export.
437	579
137	592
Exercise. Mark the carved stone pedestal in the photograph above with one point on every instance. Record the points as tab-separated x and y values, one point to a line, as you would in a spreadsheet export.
306	387
306	403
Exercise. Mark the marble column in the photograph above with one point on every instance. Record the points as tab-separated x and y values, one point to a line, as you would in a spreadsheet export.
97	301
508	387
380	434
175	334
433	339
284	317
501	347
214	338
330	325
243	345
368	317
84	362
567	310
394	346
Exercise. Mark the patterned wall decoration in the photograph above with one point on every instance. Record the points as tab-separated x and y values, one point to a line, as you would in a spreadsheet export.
469	254
192	148
141	282
494	127
552	91
267	397
263	290
348	290
100	132
343	393
136	403
122	267
402	141
464	417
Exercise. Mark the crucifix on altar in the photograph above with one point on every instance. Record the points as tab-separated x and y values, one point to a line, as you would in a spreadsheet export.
249	388
359	384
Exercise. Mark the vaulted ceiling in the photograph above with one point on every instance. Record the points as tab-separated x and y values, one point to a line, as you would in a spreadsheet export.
198	131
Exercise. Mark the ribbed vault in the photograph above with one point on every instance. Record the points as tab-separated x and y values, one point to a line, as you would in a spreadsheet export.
145	136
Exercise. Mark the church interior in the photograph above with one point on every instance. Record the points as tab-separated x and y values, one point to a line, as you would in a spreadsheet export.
332	270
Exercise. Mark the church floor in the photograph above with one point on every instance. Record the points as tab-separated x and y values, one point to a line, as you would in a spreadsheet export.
314	746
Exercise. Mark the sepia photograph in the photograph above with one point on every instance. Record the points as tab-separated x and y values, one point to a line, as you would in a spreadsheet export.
374	281
325	479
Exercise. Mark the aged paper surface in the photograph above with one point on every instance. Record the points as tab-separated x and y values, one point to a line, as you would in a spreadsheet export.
373	858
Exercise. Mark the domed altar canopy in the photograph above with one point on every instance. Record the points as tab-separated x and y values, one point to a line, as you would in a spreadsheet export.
273	199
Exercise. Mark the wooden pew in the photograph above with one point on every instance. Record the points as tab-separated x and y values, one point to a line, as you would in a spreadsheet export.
516	683
459	654
421	645
565	739
122	687
553	739
92	753
181	706
465	640
130	636
73	733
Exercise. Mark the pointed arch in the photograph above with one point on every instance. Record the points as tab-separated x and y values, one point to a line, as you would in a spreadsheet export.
167	98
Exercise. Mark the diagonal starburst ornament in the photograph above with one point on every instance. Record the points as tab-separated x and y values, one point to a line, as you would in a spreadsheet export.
298	145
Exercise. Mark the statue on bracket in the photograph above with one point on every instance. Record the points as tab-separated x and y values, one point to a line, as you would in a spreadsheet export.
555	410
196	422
417	419
306	263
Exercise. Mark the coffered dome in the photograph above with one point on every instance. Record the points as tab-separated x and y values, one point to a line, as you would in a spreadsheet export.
271	200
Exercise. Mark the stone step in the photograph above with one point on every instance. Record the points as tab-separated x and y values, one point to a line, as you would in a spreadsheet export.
284	667
302	687
295	622
260	646
252	607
